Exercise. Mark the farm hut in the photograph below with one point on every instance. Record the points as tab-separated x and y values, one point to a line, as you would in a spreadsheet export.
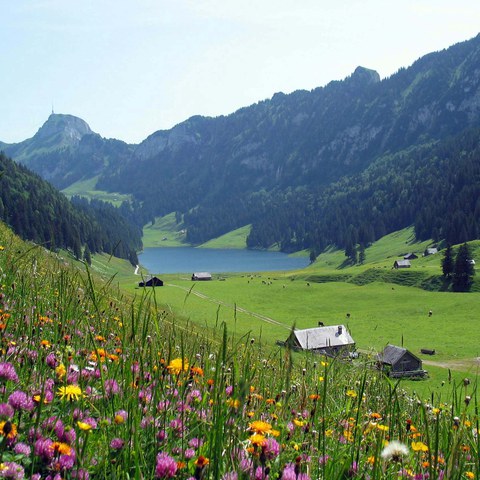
332	340
401	264
410	256
200	276
400	362
430	251
151	282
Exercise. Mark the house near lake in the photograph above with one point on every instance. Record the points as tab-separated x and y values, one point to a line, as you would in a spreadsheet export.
401	264
331	340
400	362
201	276
151	282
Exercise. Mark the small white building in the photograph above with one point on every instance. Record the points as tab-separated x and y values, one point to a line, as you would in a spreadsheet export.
201	276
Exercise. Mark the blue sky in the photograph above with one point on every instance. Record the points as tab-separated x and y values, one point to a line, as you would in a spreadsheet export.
131	67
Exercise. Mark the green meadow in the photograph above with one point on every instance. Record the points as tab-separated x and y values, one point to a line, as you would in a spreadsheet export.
384	305
102	379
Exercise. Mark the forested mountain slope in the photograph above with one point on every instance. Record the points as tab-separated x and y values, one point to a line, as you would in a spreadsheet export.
288	165
37	211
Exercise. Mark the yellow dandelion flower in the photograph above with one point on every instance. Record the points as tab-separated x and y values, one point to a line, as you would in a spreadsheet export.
419	447
61	448
299	423
258	426
86	427
177	365
2	248
70	392
61	370
470	475
351	393
258	440
382	428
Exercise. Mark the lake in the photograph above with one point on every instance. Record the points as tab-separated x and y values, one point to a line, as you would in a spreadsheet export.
188	260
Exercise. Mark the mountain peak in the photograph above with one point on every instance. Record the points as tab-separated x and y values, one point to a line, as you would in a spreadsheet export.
70	127
364	76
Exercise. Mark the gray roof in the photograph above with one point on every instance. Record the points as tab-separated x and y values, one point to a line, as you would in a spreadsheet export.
403	263
392	354
323	337
202	274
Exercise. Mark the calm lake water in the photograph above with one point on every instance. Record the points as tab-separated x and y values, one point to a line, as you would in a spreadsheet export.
189	260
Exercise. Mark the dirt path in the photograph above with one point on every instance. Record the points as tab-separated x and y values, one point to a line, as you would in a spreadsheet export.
264	318
462	364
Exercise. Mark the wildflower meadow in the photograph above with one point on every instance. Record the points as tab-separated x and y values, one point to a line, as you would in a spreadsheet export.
96	384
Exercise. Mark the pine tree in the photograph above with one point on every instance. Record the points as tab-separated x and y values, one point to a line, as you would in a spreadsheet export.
447	262
463	271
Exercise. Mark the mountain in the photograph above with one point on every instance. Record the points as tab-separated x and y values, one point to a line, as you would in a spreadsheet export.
283	164
65	150
36	211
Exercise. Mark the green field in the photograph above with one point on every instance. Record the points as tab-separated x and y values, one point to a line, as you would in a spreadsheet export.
384	305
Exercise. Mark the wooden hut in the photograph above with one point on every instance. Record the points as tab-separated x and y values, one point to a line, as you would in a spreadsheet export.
401	264
400	362
151	282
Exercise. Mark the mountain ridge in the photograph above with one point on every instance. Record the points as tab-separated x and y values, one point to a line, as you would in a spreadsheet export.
220	173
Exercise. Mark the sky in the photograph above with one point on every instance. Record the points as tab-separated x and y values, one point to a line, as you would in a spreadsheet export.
132	67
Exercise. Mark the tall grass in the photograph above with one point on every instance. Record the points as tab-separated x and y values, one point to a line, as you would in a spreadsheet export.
98	385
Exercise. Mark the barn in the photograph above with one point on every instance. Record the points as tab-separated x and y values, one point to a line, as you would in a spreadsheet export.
331	340
410	256
151	282
201	276
400	362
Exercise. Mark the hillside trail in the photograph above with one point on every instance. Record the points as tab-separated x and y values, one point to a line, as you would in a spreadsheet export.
264	318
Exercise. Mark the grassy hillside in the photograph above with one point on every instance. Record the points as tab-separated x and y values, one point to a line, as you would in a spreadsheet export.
98	383
86	188
235	239
165	232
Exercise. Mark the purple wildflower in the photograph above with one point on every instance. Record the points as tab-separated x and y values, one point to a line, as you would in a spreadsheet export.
21	401
271	448
7	372
80	474
117	444
166	466
6	411
111	387
22	449
189	453
230	476
261	474
12	470
51	360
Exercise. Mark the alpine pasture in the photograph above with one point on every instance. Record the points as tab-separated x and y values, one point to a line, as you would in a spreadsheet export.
103	382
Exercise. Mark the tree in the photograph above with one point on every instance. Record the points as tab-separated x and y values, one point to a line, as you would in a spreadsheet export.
361	254
447	262
87	256
463	271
